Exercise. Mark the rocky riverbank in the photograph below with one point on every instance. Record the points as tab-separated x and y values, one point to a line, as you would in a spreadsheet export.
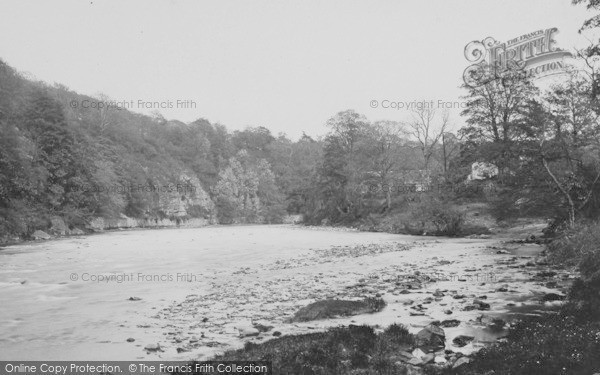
469	289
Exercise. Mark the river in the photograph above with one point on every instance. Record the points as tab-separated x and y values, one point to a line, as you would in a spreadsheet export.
189	290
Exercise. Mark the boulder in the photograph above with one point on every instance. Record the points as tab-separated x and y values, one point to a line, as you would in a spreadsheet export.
263	327
462	340
248	331
481	305
418	353
450	323
76	232
431	337
404	356
415	361
461	361
58	226
153	347
40	235
552	297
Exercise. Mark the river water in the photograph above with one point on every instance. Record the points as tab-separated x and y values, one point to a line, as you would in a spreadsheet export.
81	298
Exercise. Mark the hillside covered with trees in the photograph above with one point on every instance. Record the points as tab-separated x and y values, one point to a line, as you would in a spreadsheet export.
63	165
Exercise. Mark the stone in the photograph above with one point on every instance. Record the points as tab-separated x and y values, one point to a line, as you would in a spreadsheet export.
428	358
440	359
58	226
431	336
76	232
415	361
276	333
131	339
552	297
263	327
418	353
153	347
405	356
450	323
447	312
462	340
134	299
461	361
248	331
40	235
481	305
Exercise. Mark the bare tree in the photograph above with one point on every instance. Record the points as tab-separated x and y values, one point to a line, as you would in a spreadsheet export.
428	128
105	118
385	142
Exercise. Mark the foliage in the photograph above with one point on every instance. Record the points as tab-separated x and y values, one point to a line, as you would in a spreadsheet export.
343	350
78	163
246	192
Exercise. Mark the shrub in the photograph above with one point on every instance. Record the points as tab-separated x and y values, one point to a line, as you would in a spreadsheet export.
437	217
578	247
397	334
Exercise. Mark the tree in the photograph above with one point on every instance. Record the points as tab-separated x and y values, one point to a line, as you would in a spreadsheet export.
337	196
569	144
495	114
247	192
384	151
428	130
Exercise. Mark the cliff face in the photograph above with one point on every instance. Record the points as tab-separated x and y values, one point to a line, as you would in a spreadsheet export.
186	198
124	222
184	203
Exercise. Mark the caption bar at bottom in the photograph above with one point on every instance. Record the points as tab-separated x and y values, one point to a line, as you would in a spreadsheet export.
134	367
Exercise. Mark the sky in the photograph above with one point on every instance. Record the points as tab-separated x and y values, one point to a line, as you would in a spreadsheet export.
285	65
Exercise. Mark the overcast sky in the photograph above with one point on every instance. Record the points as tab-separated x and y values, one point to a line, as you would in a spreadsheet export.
285	65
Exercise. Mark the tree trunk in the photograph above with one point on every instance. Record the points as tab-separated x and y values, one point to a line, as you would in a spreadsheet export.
564	192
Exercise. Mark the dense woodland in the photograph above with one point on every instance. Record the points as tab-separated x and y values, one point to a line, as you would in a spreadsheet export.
75	163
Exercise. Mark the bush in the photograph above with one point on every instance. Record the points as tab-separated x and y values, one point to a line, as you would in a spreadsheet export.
397	334
436	217
578	247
